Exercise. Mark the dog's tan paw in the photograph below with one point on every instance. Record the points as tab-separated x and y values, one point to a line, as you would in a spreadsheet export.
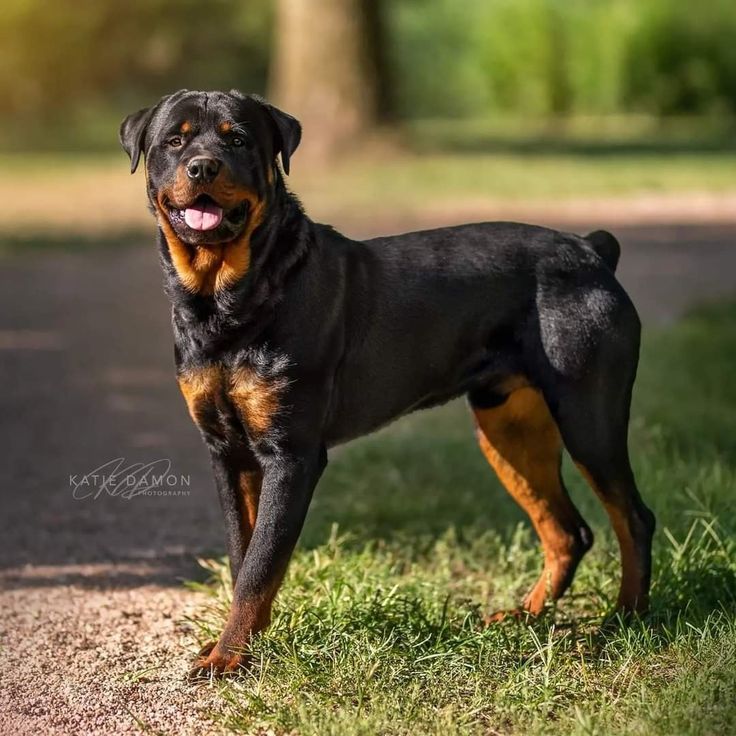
216	661
518	614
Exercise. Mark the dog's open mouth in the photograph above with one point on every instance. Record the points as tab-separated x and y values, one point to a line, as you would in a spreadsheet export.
204	215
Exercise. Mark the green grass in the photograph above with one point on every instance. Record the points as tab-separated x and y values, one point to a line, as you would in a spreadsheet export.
442	162
410	538
442	180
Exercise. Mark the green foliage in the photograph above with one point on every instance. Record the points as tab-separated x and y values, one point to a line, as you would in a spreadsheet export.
433	50
548	57
682	57
444	59
378	627
556	57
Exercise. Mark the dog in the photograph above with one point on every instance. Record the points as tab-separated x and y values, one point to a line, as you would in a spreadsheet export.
291	338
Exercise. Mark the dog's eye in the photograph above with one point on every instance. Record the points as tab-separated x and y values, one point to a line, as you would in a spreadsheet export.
175	142
237	141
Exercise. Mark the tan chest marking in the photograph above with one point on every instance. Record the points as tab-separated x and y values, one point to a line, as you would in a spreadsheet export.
255	398
208	269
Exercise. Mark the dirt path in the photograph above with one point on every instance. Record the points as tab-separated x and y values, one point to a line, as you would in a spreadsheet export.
91	595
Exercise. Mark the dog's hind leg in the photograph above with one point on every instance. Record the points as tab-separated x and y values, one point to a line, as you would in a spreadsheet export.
593	420
521	442
590	341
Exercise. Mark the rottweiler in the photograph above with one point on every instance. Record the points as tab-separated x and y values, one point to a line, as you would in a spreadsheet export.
290	338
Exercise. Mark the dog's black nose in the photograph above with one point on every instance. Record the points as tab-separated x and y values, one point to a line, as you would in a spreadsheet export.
203	169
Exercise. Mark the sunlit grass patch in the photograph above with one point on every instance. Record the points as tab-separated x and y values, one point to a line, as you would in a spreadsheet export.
378	628
381	640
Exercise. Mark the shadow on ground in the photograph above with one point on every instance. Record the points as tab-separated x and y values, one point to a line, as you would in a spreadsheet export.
19	244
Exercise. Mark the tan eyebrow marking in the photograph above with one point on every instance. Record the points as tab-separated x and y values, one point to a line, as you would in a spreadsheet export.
225	127
186	127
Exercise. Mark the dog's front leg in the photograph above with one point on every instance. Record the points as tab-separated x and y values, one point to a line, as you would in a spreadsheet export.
238	478
288	482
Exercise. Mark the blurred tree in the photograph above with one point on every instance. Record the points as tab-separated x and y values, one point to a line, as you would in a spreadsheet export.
326	66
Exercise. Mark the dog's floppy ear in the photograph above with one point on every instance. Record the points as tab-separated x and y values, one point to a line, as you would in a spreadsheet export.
133	129
288	132
133	134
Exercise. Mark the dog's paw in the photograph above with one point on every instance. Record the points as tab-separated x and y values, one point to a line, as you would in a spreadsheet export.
516	614
214	661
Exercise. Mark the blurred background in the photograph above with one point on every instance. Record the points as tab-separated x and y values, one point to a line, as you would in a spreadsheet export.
424	111
578	114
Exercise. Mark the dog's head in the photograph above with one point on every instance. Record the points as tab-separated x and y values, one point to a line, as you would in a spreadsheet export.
210	160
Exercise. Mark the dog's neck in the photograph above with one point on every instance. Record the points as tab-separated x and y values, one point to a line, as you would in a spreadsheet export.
238	310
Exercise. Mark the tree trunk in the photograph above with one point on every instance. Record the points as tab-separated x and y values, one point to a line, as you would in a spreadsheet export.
325	71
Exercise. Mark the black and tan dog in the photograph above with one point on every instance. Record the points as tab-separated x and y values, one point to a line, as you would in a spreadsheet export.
291	338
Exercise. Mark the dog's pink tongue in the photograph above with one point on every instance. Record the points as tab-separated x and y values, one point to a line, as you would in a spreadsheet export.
203	216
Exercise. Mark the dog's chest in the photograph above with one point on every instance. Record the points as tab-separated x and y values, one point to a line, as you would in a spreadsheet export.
225	401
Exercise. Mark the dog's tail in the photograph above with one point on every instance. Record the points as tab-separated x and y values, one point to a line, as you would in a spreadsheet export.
606	246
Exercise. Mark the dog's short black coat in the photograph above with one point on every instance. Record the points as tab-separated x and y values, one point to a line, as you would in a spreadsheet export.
291	338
